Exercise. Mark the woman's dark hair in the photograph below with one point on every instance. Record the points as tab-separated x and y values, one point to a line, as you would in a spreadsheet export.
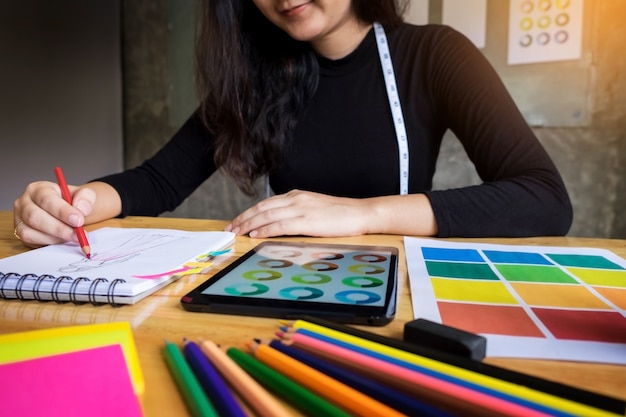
254	81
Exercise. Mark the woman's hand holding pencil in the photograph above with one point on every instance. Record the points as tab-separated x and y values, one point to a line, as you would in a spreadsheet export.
67	196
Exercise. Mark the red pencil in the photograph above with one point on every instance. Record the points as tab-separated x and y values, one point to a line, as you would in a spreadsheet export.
65	192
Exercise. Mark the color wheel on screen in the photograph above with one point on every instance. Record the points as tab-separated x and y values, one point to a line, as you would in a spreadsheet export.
283	272
529	301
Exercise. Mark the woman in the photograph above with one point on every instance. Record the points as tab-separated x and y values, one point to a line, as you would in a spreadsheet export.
297	91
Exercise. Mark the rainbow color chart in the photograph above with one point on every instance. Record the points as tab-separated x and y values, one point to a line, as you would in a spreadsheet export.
528	301
544	30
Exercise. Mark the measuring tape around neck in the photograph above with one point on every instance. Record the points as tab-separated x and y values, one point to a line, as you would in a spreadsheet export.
396	110
394	103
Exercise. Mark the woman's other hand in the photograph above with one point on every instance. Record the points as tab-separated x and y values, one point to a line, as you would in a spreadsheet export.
312	214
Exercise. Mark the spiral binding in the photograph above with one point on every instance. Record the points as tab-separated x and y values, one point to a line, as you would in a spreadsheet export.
55	287
91	295
36	293
20	282
3	279
40	279
111	291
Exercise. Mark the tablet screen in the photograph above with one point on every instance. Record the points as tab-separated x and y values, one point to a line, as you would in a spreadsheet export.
346	283
324	274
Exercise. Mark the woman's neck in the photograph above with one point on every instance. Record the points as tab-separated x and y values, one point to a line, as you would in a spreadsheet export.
342	41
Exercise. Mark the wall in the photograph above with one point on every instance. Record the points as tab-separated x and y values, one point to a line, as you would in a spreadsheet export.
158	95
590	154
608	98
577	109
60	92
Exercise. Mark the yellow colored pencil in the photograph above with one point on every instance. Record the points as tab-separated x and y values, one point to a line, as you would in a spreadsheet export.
500	385
344	396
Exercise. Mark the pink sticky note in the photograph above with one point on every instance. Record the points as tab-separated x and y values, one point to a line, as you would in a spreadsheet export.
92	382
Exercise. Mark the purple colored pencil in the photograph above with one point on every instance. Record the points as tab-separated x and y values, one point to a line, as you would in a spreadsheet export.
212	382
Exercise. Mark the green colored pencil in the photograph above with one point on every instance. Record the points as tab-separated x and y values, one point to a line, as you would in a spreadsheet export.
189	386
297	395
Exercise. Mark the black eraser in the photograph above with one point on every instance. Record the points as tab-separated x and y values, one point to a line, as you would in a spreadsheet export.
444	338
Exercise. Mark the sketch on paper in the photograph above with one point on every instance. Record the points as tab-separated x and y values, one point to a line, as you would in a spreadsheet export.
131	248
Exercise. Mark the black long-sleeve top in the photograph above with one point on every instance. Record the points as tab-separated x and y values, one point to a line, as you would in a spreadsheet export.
345	144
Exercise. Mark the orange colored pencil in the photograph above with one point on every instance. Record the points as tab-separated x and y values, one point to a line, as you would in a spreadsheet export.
343	395
67	196
252	392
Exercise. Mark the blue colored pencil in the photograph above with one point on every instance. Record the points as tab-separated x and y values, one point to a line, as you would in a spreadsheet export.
211	381
189	386
384	394
449	378
508	376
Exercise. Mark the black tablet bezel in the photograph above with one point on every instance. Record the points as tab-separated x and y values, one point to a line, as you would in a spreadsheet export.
196	301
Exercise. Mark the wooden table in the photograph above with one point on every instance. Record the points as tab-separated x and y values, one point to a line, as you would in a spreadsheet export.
160	315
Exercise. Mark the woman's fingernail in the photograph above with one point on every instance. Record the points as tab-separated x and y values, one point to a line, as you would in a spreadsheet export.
253	233
84	206
228	227
75	220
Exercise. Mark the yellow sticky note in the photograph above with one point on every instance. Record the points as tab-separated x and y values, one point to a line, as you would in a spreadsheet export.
21	346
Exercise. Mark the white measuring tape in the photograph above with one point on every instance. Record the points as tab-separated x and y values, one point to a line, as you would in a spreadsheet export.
394	103
396	110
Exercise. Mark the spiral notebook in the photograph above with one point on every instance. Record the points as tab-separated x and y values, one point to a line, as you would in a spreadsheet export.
126	265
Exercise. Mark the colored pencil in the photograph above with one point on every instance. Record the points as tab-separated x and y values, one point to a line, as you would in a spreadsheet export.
499	374
383	393
443	376
298	396
346	397
445	394
190	388
214	385
466	371
67	196
261	401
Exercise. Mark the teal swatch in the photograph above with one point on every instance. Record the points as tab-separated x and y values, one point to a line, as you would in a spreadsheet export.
460	270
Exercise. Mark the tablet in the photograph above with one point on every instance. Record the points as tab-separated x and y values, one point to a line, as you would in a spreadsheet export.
345	283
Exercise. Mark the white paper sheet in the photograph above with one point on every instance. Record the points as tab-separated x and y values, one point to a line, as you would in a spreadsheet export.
542	302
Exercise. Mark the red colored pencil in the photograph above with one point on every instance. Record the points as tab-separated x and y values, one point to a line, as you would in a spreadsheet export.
450	396
65	192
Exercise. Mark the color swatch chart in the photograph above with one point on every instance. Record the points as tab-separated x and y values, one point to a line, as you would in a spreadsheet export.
529	301
545	30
